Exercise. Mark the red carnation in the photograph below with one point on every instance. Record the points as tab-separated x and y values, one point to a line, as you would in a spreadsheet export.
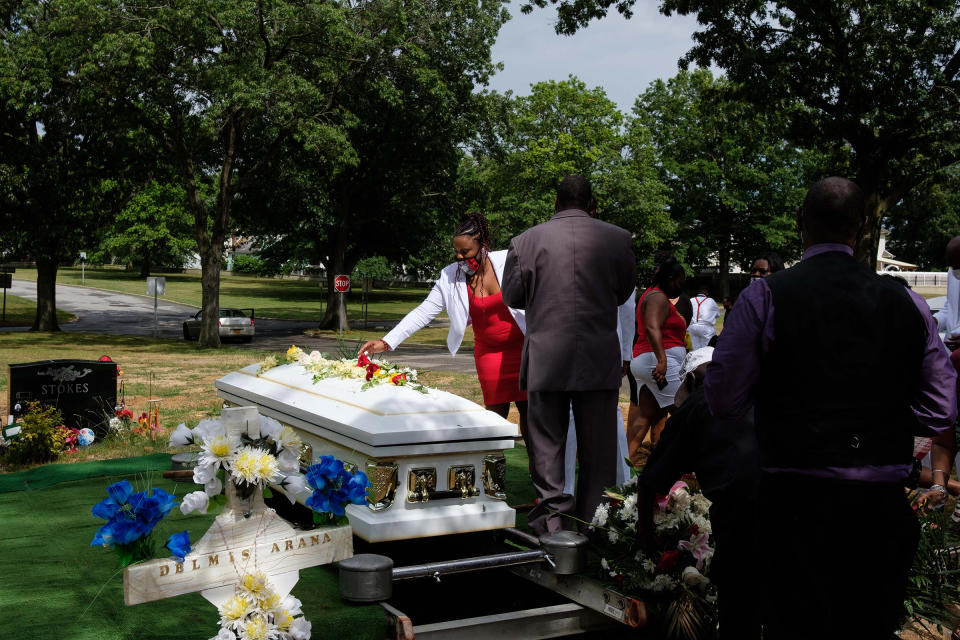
694	529
668	561
372	368
363	360
398	379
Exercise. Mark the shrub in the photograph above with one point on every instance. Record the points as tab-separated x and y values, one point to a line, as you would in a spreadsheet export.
42	438
247	264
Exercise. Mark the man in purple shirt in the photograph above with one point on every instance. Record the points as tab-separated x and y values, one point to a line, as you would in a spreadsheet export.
844	367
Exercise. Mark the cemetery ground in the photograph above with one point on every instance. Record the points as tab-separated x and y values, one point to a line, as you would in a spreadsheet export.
20	313
65	588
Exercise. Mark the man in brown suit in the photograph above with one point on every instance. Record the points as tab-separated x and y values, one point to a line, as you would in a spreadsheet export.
570	274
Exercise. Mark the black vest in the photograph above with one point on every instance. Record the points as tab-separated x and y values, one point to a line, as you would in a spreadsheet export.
836	386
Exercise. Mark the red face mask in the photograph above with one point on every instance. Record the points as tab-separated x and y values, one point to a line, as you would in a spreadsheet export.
471	265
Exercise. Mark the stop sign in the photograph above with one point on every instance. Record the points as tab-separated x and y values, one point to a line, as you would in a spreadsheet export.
341	283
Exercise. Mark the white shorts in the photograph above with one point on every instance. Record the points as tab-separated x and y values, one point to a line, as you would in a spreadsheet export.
642	369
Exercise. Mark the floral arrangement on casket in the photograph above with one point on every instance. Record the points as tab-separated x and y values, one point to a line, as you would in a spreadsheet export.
372	372
673	577
131	518
257	611
272	458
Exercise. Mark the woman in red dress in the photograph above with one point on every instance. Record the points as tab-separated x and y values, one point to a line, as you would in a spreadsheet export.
469	290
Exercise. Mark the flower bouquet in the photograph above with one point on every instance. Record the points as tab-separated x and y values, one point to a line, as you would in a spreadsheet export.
257	611
333	489
673	575
372	372
131	518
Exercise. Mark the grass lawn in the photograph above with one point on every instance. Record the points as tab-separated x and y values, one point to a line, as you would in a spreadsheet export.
286	299
179	373
20	313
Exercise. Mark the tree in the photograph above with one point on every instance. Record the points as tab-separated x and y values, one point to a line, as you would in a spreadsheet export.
404	114
153	229
221	86
57	147
937	204
563	128
734	183
880	77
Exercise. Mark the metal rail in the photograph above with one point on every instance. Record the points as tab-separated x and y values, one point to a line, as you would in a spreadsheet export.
437	569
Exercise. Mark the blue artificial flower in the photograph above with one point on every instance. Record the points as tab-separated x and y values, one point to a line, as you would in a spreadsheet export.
106	509
179	545
120	491
315	479
357	487
319	502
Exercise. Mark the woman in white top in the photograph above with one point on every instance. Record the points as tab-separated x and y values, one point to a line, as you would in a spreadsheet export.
469	290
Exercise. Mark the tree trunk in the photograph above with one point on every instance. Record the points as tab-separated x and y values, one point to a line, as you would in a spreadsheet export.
145	265
210	259
723	275
335	316
46	318
869	241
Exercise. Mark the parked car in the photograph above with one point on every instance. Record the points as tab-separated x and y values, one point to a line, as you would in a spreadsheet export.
234	323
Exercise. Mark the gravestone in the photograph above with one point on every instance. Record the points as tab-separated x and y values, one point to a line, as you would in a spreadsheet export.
85	391
246	537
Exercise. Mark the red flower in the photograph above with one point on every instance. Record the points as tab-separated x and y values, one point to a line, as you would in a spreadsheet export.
363	360
668	561
398	379
619	580
372	368
694	529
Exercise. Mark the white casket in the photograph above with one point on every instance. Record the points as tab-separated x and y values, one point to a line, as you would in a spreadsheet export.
435	460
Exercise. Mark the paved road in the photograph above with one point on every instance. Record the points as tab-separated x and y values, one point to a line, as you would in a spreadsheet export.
111	313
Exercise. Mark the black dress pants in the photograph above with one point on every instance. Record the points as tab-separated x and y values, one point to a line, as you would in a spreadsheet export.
836	557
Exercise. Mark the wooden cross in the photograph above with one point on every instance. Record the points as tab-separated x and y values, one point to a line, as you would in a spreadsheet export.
246	537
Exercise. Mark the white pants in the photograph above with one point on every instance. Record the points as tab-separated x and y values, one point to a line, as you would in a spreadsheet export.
570	455
700	334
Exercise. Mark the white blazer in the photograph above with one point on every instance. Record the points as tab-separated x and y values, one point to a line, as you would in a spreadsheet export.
450	293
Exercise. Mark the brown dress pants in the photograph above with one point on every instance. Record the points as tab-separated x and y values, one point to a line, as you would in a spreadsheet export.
548	417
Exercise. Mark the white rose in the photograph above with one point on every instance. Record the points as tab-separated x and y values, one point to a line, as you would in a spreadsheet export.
213	487
195	501
300	629
295	485
692	577
270	428
288	460
208	429
204	473
181	436
292	605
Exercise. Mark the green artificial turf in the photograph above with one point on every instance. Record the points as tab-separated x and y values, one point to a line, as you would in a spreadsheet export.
55	585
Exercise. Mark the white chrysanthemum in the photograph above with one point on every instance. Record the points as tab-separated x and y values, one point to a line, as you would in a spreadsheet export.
282	619
116	424
218	450
631	482
253	585
181	436
613	536
234	610
258	628
254	466
702	523
269	600
300	629
194	501
600	515
662	582
649	565
288	439
629	509
225	634
269	428
604	564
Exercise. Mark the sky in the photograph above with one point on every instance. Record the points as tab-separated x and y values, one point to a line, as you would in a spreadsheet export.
622	56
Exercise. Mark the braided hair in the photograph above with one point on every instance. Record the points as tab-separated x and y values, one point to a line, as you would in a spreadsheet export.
474	225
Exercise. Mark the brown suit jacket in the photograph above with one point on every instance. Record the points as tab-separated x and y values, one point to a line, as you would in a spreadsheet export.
570	274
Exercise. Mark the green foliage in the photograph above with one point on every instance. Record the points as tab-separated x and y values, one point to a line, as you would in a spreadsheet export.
734	183
924	221
376	267
874	82
562	128
243	263
42	439
933	585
